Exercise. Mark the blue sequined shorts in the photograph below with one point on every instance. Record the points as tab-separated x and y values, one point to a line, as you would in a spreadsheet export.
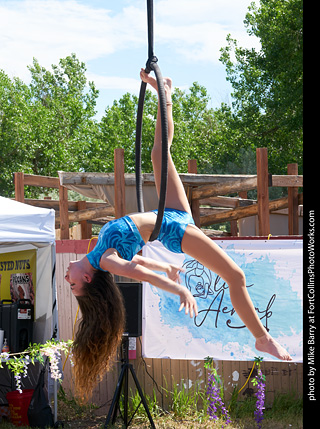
173	227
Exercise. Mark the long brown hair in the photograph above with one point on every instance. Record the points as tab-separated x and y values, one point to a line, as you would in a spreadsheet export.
99	332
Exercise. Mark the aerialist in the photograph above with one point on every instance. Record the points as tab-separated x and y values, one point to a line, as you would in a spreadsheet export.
99	298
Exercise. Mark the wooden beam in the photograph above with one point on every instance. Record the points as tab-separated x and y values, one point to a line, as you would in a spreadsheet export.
293	215
45	181
89	214
18	179
71	178
293	180
263	191
242	212
68	178
64	220
72	205
86	228
119	183
195	208
228	187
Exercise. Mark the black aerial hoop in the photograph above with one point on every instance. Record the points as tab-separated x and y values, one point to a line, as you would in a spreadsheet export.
152	65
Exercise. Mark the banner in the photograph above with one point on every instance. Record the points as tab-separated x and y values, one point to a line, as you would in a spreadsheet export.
273	270
18	275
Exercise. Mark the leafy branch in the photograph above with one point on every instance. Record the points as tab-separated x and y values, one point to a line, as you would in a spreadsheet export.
18	363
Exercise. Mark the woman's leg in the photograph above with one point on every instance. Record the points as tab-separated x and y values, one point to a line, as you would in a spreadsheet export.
176	197
208	253
200	247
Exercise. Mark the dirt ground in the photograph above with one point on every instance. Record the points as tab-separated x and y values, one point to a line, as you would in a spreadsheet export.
168	423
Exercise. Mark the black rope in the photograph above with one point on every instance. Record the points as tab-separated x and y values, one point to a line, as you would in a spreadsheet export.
152	65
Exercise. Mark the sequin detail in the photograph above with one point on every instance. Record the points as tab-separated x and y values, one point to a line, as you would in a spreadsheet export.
120	234
173	227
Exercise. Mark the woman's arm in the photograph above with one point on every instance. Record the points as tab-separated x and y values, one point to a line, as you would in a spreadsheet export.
136	271
171	270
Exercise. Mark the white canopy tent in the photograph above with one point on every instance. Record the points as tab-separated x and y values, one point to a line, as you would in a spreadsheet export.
25	227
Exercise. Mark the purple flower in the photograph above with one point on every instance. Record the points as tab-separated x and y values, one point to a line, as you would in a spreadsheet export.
260	398
215	401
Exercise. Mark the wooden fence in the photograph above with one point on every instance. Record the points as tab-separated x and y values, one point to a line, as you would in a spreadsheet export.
206	194
162	375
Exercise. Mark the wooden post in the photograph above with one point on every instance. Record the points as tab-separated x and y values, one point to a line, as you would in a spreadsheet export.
18	179
195	206
86	228
119	183
293	215
243	194
63	209
263	191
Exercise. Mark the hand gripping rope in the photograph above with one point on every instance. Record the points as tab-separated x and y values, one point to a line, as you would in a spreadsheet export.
152	65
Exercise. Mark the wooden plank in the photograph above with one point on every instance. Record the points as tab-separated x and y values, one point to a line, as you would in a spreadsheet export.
158	378
269	391
63	207
86	228
64	311
293	214
224	188
43	181
299	379
227	380
242	212
184	374
119	183
287	181
54	204
71	178
195	208
148	383
175	375
230	202
166	383
244	372
88	214
18	179
234	228
263	191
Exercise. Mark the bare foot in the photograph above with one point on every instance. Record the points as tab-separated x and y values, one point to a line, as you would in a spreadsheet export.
151	80
267	344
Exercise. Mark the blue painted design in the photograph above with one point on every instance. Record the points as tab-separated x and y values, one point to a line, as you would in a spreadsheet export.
120	234
174	224
277	304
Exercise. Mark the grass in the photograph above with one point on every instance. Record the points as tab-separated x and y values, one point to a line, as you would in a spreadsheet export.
187	410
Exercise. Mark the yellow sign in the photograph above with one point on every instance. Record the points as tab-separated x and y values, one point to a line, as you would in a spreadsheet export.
18	275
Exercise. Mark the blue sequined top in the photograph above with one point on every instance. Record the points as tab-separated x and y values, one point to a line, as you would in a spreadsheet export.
120	234
123	235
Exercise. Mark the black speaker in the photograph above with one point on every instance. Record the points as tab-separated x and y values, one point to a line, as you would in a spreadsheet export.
132	295
16	319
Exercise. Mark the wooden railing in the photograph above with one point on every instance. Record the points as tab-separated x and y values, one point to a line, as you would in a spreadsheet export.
205	189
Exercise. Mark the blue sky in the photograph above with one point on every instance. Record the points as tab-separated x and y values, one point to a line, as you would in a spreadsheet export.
110	36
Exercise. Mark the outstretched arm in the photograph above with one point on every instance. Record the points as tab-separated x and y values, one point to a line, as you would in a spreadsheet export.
136	271
172	270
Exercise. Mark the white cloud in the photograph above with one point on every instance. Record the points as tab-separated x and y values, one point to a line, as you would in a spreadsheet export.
197	30
115	82
52	29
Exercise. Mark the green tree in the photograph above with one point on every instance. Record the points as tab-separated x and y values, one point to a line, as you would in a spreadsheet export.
49	125
267	83
118	130
63	126
15	98
193	136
